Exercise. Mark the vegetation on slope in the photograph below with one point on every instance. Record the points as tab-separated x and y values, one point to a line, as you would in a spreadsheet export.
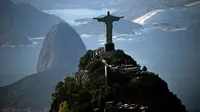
139	87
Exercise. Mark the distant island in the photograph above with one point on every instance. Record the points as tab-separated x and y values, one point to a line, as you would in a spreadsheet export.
168	27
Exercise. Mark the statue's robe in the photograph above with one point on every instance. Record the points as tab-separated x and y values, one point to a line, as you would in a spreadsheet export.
108	20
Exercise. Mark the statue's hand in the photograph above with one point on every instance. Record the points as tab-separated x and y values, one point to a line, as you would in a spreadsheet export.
121	17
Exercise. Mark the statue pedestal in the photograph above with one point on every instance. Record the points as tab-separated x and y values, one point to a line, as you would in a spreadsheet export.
109	47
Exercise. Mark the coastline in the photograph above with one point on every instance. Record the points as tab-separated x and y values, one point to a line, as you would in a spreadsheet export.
141	20
192	4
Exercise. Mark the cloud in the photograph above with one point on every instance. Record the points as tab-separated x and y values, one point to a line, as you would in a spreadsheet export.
101	40
130	39
102	43
10	45
85	35
37	38
120	39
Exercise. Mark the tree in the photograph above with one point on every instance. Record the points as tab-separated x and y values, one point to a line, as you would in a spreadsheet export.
144	68
85	59
64	107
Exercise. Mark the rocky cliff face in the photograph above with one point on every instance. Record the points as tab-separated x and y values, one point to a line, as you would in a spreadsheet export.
62	47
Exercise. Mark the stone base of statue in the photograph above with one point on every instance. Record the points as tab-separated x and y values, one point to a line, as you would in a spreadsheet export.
109	47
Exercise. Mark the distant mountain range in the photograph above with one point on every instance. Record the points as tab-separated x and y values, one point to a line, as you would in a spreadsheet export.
33	91
22	21
61	4
52	4
19	23
132	9
129	8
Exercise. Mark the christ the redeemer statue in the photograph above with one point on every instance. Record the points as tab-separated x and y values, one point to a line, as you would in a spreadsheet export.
108	20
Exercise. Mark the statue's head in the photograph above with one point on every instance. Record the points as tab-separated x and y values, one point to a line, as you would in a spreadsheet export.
108	13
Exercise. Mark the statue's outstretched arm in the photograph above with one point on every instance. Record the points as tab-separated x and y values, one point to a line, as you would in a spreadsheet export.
117	18
100	19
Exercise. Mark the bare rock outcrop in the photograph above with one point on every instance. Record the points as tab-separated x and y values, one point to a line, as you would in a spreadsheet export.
62	47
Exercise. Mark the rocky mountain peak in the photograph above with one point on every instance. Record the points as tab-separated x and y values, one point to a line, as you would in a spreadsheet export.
59	48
